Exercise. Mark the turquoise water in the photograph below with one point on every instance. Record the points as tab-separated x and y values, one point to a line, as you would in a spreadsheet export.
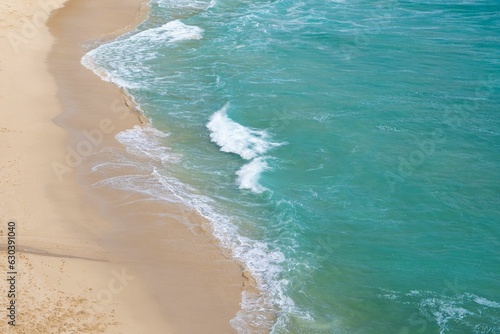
347	151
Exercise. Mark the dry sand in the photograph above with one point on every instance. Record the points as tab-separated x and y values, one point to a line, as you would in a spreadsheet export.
83	267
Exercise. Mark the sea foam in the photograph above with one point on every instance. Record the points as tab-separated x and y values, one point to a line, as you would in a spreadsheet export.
123	67
147	176
248	175
250	144
236	138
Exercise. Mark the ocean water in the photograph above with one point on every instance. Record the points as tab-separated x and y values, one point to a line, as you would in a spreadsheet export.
348	152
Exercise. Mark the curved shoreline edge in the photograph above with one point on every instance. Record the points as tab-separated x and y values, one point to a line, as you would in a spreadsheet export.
164	279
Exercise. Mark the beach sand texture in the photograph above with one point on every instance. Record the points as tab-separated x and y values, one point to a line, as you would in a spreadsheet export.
85	267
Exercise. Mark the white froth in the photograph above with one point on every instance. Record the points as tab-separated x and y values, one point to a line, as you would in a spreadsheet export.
445	310
123	67
264	261
486	302
170	32
145	142
236	138
248	175
194	4
250	144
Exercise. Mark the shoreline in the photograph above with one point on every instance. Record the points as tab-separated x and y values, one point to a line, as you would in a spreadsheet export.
70	245
63	276
197	288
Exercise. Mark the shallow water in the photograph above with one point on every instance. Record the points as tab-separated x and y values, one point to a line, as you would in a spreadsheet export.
346	151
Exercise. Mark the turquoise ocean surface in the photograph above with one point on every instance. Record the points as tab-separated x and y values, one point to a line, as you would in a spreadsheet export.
348	152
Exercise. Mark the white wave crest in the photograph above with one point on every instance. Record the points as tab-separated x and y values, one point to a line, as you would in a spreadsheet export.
248	175
170	32
250	144
236	138
123	60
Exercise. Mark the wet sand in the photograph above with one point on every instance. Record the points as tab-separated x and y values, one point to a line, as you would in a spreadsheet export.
92	259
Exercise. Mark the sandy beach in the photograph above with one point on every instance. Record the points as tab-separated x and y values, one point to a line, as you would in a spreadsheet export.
87	260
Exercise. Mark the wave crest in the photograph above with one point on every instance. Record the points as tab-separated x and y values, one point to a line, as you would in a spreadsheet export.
250	144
